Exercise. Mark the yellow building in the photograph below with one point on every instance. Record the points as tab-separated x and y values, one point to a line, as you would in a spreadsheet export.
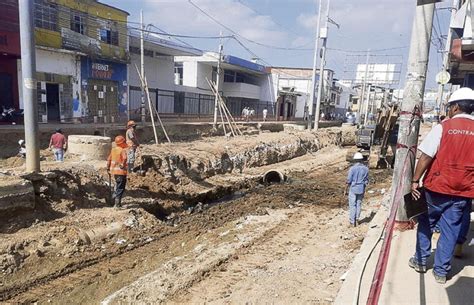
81	60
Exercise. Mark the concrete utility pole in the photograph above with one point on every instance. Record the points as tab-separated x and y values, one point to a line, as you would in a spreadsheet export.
315	64
142	65
28	66
362	93
218	84
324	36
412	105
439	99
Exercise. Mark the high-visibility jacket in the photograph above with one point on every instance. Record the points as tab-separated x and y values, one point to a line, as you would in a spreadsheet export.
452	170
117	161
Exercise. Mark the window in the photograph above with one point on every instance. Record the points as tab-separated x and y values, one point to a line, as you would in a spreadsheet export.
108	36
229	76
78	22
46	15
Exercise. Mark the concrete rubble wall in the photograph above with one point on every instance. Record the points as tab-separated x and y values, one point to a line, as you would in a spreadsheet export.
16	193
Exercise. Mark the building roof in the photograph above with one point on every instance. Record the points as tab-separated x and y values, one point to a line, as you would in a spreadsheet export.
162	44
113	7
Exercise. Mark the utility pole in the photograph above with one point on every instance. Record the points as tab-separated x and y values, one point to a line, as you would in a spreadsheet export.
367	103
315	64
28	65
439	98
362	93
142	65
218	83
412	105
324	36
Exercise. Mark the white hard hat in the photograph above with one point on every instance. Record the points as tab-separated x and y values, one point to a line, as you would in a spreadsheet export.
461	94
21	142
358	156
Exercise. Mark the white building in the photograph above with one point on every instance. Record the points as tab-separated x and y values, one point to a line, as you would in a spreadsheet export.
159	71
377	74
243	83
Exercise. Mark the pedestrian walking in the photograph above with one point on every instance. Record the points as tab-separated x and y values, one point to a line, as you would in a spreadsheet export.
117	164
245	114
357	180
132	143
264	114
22	149
447	162
58	144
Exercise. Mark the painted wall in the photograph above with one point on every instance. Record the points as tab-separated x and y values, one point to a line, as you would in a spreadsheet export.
106	70
159	72
98	15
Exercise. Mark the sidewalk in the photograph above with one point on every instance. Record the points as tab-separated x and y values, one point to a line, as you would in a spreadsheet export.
402	285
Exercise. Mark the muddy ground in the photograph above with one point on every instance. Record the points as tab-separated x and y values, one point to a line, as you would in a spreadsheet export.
246	233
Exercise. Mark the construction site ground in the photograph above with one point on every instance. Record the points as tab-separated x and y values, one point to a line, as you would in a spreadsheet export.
198	227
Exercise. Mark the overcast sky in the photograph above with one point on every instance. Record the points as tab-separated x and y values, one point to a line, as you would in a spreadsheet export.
364	24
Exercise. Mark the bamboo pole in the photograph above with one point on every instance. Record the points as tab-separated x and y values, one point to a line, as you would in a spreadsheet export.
145	87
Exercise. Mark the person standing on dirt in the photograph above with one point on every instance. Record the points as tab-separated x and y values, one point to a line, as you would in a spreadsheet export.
58	144
117	165
264	114
447	162
357	180
132	142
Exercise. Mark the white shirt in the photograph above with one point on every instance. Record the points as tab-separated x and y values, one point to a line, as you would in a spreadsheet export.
265	111
430	144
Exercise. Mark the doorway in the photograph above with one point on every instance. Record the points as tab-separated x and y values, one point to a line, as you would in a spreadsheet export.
6	89
52	102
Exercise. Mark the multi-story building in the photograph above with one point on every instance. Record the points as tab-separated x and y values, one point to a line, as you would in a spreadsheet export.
9	54
293	86
162	77
81	60
243	83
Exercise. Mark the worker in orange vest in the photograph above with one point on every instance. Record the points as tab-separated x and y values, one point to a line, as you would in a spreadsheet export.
117	166
132	142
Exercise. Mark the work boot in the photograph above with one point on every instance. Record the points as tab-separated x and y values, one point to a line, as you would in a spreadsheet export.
117	203
440	279
415	265
458	251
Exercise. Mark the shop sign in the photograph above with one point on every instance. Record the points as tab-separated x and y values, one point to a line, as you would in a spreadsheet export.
102	71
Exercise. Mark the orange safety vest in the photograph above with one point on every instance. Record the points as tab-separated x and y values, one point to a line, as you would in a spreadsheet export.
117	161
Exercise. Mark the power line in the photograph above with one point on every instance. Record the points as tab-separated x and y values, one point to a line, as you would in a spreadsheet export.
243	37
365	51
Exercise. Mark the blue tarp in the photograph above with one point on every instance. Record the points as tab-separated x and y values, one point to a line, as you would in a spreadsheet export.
236	61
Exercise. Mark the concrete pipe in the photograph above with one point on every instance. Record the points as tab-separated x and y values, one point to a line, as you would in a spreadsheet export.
89	147
273	176
98	233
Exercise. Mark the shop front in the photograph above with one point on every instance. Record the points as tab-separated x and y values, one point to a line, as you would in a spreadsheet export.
104	90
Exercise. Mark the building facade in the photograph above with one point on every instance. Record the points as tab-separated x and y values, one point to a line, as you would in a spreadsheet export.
9	54
81	58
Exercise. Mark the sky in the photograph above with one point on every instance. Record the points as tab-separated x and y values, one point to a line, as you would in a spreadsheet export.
267	28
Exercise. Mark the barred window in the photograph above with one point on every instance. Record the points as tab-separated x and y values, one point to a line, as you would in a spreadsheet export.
46	15
78	22
109	35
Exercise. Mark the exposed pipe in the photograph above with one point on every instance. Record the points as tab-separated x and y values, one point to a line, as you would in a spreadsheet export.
273	176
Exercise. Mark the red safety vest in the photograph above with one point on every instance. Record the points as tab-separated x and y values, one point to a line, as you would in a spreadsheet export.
117	161
452	170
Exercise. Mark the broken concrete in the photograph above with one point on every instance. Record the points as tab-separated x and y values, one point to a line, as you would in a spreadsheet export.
16	193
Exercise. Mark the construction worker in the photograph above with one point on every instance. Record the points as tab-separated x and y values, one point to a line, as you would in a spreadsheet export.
132	142
117	165
448	160
58	145
22	149
357	180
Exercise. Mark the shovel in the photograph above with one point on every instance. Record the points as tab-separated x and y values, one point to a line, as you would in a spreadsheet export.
111	199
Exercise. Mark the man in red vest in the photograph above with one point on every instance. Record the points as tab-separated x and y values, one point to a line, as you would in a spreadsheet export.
117	166
448	160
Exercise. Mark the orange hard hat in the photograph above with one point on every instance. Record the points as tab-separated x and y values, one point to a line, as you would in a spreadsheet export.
131	123
119	140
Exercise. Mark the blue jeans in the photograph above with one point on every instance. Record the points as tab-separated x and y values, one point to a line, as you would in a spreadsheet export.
58	154
355	202
447	212
465	224
131	158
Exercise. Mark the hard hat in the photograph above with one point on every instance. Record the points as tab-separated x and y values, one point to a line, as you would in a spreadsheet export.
119	140
21	142
131	123
462	94
358	156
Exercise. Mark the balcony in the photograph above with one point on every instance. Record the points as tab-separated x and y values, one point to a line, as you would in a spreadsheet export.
241	90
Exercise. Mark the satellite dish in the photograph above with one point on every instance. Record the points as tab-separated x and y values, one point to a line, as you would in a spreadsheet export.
443	77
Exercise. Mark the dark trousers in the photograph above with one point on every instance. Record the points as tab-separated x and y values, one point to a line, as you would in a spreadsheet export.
120	183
